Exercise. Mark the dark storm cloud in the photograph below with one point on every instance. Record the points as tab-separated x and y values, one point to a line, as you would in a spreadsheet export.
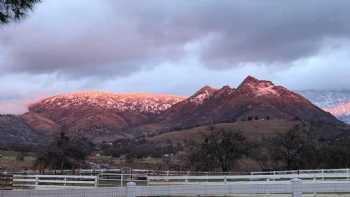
277	31
121	37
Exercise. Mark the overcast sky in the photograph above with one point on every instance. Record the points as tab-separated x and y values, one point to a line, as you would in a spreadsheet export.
172	46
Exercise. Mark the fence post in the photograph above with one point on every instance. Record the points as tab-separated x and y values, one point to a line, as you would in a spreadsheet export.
296	187
96	180
36	180
131	189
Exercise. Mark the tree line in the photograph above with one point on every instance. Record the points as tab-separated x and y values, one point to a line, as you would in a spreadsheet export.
301	147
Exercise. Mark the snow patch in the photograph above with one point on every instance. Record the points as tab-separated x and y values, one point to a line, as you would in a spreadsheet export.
267	91
147	103
263	88
340	110
199	99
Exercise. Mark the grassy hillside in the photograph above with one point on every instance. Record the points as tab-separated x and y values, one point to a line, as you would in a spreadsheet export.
255	129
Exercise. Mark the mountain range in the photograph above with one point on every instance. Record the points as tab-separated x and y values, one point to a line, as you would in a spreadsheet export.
103	116
94	114
336	102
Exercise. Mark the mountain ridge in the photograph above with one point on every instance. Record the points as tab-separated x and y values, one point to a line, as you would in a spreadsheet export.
258	99
94	113
110	116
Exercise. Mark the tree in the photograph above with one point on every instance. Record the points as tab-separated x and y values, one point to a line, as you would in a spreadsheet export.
296	149
64	153
336	154
15	9
219	150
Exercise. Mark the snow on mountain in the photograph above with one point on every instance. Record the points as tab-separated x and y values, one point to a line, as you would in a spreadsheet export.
202	94
336	102
327	98
259	88
124	102
97	115
340	110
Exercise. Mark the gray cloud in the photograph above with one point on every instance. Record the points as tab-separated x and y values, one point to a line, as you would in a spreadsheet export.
117	38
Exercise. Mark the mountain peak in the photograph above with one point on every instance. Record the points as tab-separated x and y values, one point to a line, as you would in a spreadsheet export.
202	94
250	79
225	90
251	85
204	90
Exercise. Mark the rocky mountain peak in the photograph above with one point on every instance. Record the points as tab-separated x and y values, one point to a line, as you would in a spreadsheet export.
202	94
249	80
257	87
225	90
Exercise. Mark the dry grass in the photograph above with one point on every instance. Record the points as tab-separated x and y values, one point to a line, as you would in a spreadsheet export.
9	161
252	129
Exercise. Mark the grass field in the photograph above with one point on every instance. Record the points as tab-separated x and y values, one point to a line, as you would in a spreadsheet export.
11	160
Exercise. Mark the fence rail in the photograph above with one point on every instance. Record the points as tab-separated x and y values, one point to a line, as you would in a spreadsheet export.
114	178
36	181
277	176
295	187
167	173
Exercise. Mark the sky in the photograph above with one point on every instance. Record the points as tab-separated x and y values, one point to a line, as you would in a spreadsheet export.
172	47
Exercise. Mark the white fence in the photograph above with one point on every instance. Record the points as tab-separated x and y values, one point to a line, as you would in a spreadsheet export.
113	178
89	192
295	187
307	175
91	172
99	180
47	181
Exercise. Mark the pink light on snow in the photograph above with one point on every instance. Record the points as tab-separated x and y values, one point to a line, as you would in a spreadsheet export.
340	110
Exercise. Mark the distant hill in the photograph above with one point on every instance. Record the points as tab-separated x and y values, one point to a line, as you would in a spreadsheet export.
14	131
342	111
336	102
